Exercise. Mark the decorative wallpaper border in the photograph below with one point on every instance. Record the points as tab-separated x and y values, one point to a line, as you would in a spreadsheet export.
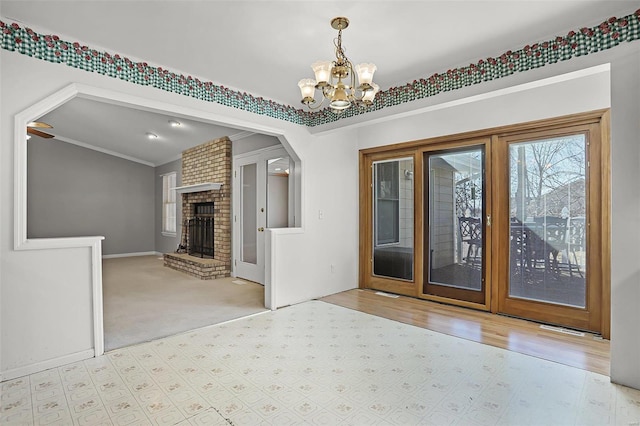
584	41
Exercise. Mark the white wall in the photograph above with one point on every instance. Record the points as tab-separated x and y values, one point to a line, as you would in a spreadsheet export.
330	175
321	257
38	329
277	201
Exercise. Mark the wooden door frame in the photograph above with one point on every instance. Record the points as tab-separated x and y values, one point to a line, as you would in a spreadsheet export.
602	267
487	244
404	287
590	318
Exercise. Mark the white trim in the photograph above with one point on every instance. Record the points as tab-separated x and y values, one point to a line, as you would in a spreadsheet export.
104	151
45	365
135	254
98	312
269	270
198	187
241	135
169	234
20	158
56	243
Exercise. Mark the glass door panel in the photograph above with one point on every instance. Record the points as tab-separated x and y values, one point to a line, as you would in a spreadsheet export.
454	224
548	206
393	219
248	213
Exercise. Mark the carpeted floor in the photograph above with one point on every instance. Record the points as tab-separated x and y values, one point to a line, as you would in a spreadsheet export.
143	300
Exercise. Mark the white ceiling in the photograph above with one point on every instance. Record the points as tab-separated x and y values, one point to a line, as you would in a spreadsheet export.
121	131
265	47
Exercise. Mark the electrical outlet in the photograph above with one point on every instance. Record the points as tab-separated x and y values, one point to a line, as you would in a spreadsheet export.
320	214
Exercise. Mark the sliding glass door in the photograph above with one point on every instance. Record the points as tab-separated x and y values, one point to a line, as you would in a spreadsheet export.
455	221
393	219
548	196
512	220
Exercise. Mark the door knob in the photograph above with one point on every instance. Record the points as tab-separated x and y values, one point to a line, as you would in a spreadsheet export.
261	229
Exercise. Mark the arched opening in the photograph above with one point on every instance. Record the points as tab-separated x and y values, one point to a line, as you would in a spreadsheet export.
46	220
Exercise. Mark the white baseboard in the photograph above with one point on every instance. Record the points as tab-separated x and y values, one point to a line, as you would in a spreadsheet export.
46	365
140	253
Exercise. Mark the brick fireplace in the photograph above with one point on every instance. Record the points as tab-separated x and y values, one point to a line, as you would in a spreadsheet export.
203	167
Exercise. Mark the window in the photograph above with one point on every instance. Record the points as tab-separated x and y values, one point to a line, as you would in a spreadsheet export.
393	218
169	204
387	203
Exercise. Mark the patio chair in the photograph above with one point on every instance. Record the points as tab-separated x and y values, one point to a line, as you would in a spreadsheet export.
575	242
471	234
550	233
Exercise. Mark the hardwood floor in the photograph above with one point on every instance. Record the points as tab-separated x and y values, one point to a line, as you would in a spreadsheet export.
587	352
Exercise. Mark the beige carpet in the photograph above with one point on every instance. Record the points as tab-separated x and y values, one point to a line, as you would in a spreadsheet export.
143	300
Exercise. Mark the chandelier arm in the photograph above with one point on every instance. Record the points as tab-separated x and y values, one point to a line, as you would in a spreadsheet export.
326	90
318	106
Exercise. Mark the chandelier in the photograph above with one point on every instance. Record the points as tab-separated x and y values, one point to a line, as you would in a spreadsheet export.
336	80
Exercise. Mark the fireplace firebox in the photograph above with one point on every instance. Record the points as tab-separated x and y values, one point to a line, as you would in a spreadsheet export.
201	231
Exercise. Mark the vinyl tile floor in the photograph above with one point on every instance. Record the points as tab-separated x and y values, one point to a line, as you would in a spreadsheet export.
318	364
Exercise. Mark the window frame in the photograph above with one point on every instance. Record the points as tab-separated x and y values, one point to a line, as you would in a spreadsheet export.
169	202
395	202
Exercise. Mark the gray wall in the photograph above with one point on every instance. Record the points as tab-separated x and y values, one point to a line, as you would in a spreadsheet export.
74	191
166	244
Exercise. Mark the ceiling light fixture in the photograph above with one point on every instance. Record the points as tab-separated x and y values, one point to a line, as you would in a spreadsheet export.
175	123
329	79
151	135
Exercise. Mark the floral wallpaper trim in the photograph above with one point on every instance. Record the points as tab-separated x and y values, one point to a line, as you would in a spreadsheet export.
584	41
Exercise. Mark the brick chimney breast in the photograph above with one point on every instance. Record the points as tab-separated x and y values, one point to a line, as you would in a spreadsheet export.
209	162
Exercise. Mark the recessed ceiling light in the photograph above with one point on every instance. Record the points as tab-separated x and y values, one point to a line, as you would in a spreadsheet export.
151	135
175	123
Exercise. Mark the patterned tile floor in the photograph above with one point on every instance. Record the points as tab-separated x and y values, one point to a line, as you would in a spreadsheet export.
321	364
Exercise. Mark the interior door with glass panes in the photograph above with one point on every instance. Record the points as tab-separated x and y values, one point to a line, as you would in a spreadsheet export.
249	220
261	201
